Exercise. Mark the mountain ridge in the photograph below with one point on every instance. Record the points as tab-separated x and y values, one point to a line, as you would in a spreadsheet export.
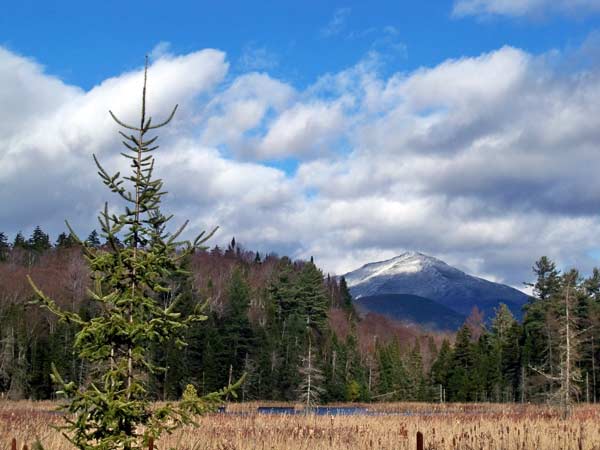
418	274
412	309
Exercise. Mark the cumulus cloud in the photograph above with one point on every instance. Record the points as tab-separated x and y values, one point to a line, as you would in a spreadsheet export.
486	162
303	128
488	156
521	8
46	156
242	107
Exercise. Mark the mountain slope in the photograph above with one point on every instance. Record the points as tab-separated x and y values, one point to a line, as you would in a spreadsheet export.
424	276
411	308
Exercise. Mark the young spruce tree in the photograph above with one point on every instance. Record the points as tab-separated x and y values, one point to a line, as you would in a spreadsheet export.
114	411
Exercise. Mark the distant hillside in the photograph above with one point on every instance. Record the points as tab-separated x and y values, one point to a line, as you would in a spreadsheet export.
420	275
411	308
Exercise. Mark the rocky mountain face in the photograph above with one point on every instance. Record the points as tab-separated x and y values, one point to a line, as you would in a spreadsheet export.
416	274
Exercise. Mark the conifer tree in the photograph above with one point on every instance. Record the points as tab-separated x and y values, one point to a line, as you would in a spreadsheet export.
459	380
393	376
513	369
591	322
232	249
345	294
236	332
93	240
440	369
592	285
114	410
39	241
415	373
19	241
539	331
505	336
502	322
4	247
312	299
547	282
65	240
485	374
283	290
357	368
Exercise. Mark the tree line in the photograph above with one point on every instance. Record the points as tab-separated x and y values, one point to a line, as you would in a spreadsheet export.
551	356
295	334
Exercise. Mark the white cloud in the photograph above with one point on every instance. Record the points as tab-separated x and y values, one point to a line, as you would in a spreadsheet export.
27	95
163	48
520	8
304	128
48	162
486	162
243	106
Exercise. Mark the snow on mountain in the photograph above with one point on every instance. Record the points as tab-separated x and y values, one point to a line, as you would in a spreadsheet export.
417	274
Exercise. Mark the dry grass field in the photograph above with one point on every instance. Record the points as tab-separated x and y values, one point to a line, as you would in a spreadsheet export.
392	426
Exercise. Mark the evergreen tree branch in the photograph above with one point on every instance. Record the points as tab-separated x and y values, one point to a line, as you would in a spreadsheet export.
162	124
50	305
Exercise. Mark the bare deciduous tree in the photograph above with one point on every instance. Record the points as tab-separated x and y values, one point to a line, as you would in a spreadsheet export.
568	375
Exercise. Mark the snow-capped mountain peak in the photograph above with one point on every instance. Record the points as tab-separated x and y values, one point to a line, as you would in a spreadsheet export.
405	263
417	274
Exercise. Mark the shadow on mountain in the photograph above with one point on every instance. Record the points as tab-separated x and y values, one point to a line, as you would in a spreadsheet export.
411	308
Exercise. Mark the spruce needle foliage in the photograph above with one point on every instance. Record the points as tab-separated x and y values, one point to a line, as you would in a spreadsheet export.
113	409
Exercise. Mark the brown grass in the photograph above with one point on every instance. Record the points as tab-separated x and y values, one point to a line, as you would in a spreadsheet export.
453	426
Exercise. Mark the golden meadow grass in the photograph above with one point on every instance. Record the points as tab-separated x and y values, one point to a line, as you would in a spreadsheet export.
452	426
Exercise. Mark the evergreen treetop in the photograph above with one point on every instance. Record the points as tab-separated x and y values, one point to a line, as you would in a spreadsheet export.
547	283
39	241
592	284
114	411
19	241
502	321
93	239
65	240
345	294
4	247
311	296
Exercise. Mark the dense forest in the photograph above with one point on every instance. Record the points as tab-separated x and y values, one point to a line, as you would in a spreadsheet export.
282	322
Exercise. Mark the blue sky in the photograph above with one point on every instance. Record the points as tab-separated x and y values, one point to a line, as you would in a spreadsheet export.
347	131
85	42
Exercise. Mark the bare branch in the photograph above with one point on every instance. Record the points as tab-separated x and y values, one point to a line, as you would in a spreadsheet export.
545	375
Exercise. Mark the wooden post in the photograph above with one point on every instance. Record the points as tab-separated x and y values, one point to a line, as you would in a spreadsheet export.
419	440
151	444
25	447
13	444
